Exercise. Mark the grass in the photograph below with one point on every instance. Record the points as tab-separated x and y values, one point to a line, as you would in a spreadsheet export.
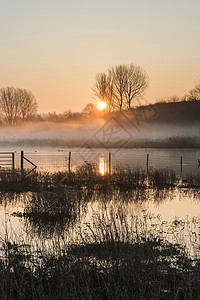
88	177
56	201
114	259
111	256
179	141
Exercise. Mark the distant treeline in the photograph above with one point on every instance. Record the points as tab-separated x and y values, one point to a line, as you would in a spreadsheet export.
163	112
170	113
20	106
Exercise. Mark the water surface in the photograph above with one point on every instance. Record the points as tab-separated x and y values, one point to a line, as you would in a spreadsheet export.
57	159
173	214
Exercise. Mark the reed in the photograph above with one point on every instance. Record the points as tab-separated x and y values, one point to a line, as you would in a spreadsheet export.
87	177
115	259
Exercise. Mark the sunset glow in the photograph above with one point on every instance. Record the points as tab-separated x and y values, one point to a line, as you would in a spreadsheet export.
102	105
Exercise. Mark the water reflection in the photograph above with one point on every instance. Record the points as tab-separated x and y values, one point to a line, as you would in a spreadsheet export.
102	166
172	213
51	159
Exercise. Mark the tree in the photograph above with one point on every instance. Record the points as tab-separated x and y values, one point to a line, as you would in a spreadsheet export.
67	114
17	105
120	85
27	104
110	91
119	75
137	82
194	94
103	89
9	105
90	108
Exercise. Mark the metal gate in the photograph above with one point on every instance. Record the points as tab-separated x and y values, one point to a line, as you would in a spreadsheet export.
7	160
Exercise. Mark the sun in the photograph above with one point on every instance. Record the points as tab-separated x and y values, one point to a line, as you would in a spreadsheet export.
102	105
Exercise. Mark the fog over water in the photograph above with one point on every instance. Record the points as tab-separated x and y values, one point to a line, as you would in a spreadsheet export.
86	131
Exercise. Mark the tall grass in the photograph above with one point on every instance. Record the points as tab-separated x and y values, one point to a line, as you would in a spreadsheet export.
114	259
111	256
87	177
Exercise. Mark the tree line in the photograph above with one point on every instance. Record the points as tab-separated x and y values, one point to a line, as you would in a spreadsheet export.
118	88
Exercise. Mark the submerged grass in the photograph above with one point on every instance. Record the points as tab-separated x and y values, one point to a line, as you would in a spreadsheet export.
113	259
110	257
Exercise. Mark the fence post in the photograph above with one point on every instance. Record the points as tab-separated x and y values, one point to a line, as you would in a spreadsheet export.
22	163
181	163
69	162
147	162
109	162
13	161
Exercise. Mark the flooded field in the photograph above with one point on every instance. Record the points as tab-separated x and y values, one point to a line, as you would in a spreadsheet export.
53	159
109	217
171	214
167	205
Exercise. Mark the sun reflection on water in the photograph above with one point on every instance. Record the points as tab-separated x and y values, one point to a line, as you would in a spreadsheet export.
102	166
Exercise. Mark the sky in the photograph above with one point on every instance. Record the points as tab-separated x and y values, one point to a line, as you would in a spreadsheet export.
55	48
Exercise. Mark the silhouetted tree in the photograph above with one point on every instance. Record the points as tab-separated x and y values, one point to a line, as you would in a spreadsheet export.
8	105
17	105
67	113
52	117
137	82
194	94
27	104
119	75
90	108
103	89
110	91
120	85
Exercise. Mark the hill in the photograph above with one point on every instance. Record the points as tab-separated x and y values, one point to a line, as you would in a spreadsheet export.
172	113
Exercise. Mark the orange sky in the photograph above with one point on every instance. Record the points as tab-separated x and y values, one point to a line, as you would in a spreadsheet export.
55	48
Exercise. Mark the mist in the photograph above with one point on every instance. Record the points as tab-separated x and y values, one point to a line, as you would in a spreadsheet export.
80	132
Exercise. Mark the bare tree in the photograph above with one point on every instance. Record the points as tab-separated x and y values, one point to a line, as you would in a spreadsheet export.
194	94
137	82
9	105
110	91
16	105
27	104
120	85
90	108
100	86
119	79
103	89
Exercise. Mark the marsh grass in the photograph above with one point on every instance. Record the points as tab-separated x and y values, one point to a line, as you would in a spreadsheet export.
114	259
88	177
178	141
51	213
111	256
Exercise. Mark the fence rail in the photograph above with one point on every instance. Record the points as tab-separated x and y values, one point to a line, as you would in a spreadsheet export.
7	160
